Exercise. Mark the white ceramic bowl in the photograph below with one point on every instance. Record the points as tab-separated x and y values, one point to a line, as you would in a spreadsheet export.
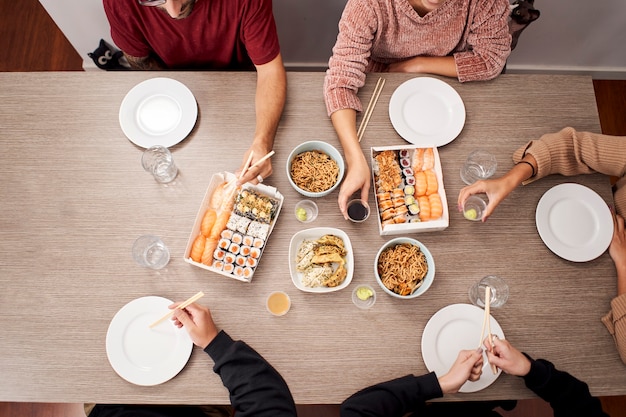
316	145
316	233
428	279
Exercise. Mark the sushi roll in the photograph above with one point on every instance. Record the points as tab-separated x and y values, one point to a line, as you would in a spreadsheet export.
255	253
402	210
247	273
219	254
244	250
405	162
388	214
219	265
414	208
407	172
252	262
410	181
258	229
258	243
384	196
242	225
229	268
237	238
247	240
229	258
398	202
233	220
240	260
238	271
234	248
404	153
409	189
223	244
397	193
409	199
226	234
386	204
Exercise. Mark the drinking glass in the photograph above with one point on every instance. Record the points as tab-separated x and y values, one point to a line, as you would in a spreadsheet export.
479	165
158	161
151	252
499	291
474	207
306	211
278	303
358	210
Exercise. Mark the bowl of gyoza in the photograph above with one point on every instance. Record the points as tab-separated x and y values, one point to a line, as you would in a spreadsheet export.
404	268
315	168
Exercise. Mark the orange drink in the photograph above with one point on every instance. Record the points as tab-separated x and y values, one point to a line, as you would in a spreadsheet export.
278	303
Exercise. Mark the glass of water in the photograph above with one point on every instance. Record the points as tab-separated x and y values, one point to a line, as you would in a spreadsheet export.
479	165
150	251
158	161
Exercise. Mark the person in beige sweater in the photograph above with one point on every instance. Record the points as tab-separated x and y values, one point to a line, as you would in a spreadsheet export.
569	152
465	39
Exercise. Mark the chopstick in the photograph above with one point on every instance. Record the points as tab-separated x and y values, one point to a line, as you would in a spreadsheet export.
370	108
182	305
247	166
487	323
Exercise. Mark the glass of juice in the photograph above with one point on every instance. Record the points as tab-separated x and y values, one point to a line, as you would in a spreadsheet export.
278	303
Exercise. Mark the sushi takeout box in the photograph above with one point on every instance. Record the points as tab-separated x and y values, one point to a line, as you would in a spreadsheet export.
398	174
251	212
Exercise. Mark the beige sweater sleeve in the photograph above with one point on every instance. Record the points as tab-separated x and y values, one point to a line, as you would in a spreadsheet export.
615	322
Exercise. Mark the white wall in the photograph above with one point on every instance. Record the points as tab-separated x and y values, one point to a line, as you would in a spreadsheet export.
587	37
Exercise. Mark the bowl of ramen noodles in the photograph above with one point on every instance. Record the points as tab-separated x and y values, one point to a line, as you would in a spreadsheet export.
315	168
404	268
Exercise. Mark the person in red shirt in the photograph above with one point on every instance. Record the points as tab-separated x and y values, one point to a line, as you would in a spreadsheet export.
209	35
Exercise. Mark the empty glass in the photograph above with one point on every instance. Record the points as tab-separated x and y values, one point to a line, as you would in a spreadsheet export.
151	252
499	291
479	165
158	161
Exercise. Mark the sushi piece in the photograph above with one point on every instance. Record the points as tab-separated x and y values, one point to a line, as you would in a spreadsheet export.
386	204
258	243
229	258
258	229
247	240
245	250
409	189
247	273
233	220
255	253
384	196
240	260
407	172
398	202
226	234
238	271
223	244
251	262
410	181
219	265
234	248
219	254
400	219
405	162
397	193
242	225
414	208
402	210
409	199
388	214
237	238
404	153
229	268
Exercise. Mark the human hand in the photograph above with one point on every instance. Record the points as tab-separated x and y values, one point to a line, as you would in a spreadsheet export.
198	322
504	356
467	367
617	250
264	169
357	178
496	189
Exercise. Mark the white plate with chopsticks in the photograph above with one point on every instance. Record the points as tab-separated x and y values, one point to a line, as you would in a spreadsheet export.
574	222
158	111
143	355
452	329
426	110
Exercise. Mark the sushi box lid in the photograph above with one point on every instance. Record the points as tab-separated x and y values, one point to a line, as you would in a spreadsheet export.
216	180
417	227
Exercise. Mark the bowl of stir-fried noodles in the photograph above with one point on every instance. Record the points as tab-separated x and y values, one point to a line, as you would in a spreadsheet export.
315	168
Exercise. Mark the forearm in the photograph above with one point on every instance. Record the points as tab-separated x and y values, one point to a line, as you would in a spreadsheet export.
255	387
143	63
427	65
392	398
271	92
344	122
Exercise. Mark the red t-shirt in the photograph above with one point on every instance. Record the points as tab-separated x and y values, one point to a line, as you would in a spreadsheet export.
218	34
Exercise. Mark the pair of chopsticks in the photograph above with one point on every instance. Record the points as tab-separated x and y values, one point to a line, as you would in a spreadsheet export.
184	304
247	166
487	323
370	108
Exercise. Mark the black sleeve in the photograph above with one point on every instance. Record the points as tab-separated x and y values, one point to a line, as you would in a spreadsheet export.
255	387
567	395
393	398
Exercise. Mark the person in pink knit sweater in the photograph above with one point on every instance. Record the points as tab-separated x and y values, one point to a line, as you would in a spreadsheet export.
466	39
570	152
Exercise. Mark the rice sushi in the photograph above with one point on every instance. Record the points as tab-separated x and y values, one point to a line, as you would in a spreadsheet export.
234	248
258	243
240	260
259	230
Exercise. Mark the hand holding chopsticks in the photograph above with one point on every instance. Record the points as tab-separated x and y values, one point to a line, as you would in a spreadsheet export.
487	323
370	108
184	304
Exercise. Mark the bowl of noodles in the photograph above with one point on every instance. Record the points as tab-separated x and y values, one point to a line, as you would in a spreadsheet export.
315	168
404	268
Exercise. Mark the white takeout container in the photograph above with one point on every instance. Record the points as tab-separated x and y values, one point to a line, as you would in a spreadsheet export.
426	226
216	180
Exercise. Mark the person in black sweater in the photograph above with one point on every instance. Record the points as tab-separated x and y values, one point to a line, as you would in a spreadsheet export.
567	395
255	387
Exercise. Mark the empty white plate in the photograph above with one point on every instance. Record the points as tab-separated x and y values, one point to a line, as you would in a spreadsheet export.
158	111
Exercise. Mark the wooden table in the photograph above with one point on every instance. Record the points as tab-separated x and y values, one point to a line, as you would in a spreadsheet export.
74	197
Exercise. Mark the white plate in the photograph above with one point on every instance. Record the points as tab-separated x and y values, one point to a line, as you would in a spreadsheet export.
143	355
427	111
574	222
316	233
452	329
158	111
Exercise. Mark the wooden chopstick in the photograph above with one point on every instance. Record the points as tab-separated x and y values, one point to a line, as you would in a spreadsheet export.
487	323
370	107
182	305
246	167
268	155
